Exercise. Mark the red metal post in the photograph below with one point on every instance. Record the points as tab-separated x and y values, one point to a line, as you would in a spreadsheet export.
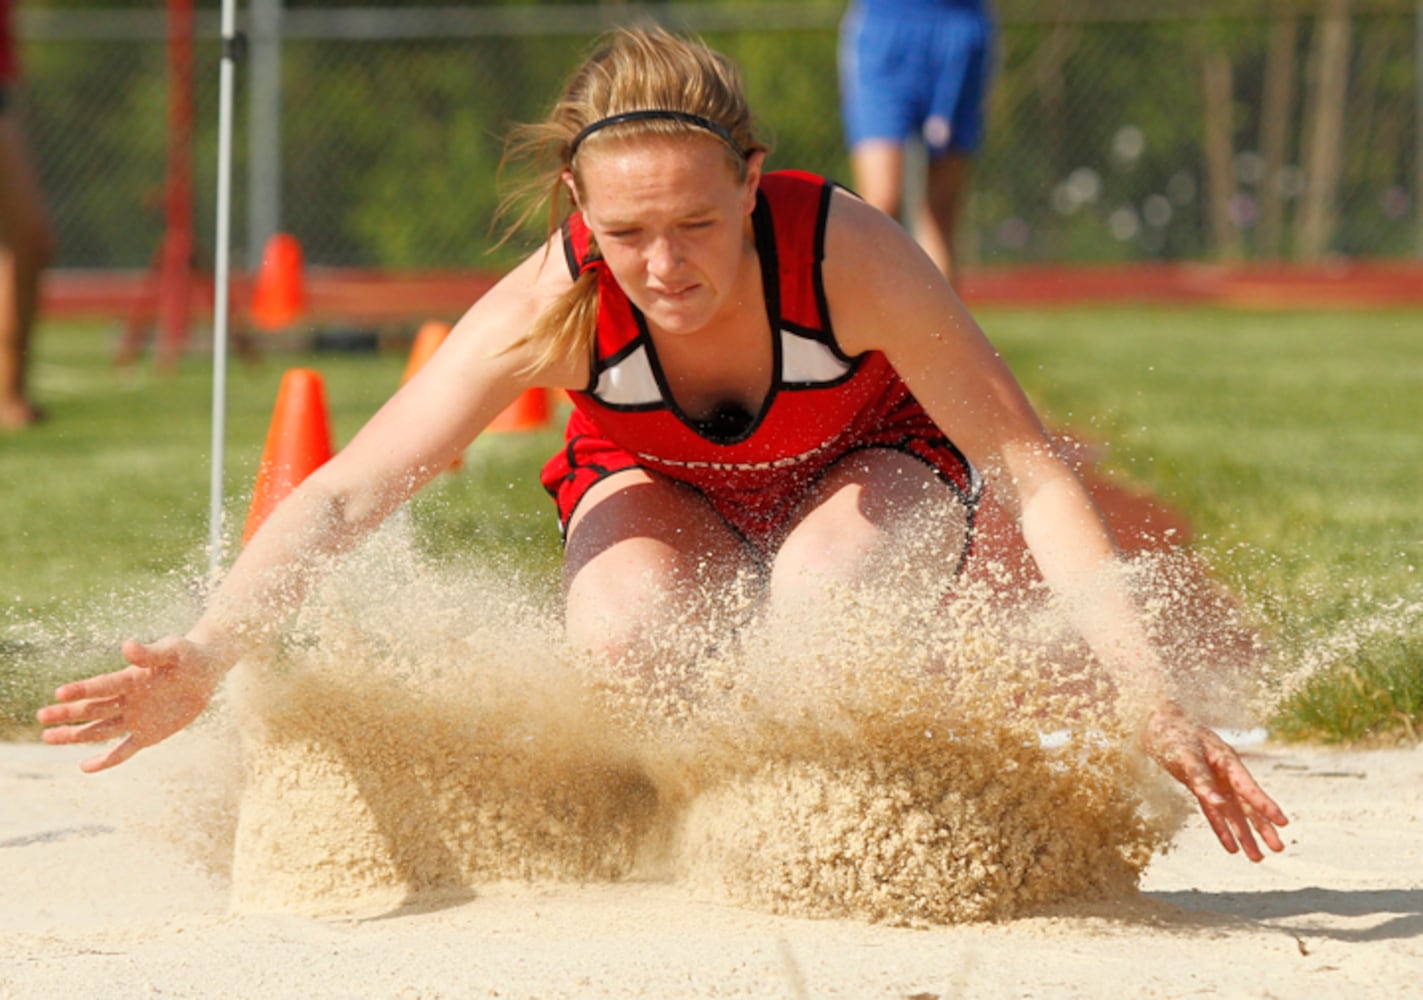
171	275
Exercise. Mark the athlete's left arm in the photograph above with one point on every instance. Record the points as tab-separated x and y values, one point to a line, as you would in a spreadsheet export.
885	294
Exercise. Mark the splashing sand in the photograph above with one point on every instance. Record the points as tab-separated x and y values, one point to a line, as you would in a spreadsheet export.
421	733
418	736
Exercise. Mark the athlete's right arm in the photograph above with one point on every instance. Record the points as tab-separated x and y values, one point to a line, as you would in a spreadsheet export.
416	434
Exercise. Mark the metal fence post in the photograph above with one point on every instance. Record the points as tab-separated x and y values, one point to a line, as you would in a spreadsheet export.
264	128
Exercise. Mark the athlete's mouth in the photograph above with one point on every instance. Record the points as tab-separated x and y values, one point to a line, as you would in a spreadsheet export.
680	292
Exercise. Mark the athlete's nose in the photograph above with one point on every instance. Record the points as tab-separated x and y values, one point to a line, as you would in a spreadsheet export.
664	257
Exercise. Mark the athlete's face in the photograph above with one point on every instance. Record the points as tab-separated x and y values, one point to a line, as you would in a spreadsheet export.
672	220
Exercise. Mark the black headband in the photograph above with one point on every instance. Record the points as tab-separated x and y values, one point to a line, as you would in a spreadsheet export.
636	116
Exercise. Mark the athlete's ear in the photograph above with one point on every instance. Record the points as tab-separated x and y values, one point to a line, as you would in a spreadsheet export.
755	160
567	177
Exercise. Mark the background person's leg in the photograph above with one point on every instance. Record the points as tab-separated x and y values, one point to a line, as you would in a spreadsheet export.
937	220
878	168
28	247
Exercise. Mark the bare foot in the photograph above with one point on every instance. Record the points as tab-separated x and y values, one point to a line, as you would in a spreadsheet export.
17	414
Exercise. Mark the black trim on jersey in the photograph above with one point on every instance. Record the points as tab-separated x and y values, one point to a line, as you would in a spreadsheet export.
631	347
763	226
577	266
820	337
600	473
825	332
668	401
822	225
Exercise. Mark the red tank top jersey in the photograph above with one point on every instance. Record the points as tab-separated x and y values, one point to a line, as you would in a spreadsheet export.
822	404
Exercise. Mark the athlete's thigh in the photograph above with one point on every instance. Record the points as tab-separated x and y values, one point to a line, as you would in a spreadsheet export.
878	515
639	544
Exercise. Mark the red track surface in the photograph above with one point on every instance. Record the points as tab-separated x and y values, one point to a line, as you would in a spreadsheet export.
1342	285
357	297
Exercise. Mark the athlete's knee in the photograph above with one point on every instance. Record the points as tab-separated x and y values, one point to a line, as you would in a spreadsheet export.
610	640
614	617
823	550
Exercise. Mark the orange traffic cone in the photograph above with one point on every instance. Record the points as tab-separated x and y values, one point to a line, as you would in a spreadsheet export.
530	412
298	443
427	341
279	296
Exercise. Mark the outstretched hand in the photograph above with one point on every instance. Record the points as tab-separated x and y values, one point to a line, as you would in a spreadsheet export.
1234	804
167	686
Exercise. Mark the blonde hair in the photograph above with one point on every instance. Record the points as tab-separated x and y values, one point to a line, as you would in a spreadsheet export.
629	70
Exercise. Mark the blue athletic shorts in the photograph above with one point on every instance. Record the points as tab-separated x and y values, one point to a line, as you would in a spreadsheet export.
920	70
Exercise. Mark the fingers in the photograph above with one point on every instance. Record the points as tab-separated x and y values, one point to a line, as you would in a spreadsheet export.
79	711
143	703
1254	796
1223	814
98	697
90	710
1236	807
1242	833
103	686
1231	826
112	757
89	732
1261	810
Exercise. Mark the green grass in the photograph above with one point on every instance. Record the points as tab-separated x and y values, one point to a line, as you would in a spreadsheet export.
1292	440
105	506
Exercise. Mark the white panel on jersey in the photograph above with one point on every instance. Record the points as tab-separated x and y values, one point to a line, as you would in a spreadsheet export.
630	382
804	360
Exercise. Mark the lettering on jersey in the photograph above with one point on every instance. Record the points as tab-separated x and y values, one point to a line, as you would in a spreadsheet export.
784	462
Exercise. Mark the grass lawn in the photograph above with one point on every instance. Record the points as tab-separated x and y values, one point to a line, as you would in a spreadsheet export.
105	505
1291	440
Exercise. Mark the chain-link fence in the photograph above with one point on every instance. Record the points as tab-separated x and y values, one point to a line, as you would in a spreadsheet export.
1118	131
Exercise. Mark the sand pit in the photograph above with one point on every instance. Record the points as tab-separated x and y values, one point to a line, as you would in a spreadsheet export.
98	898
420	792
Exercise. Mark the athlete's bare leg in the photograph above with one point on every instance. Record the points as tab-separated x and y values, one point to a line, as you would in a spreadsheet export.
645	562
879	519
649	566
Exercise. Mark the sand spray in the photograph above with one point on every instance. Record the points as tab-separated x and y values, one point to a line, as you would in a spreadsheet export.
418	730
